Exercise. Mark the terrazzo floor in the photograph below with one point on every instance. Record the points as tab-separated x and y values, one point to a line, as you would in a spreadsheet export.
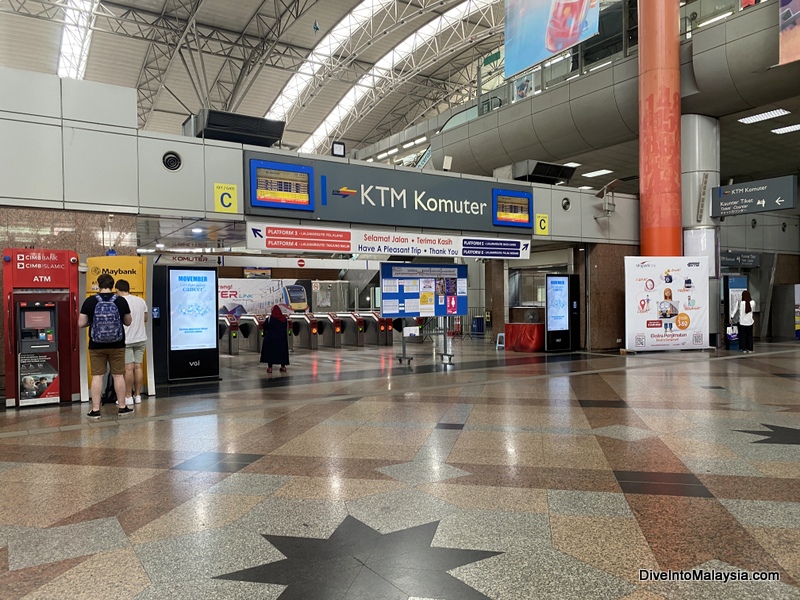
505	475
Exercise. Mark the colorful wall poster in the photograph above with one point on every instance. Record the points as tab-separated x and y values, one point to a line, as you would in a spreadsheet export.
666	303
789	31
536	30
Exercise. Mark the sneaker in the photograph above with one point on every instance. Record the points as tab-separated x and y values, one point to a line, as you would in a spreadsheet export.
128	401
124	411
269	369
94	415
137	399
283	369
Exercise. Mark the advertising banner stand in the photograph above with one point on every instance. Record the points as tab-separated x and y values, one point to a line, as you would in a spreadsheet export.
562	310
666	303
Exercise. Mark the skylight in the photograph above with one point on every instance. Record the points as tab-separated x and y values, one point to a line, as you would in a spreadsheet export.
385	65
328	46
76	37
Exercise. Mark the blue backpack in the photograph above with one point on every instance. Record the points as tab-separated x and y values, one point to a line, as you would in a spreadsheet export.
106	322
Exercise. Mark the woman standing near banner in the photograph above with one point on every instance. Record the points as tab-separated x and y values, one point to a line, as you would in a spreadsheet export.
746	310
275	349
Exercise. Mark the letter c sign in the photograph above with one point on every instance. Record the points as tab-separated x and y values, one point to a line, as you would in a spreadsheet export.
542	227
226	198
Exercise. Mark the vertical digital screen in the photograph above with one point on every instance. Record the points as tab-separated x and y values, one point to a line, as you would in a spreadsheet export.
193	308
557	290
37	319
512	208
280	185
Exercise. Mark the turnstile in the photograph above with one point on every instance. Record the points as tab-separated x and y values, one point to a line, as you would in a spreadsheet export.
304	331
329	326
251	331
228	332
352	329
371	328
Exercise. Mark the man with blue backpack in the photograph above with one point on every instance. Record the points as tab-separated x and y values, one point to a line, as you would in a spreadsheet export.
105	313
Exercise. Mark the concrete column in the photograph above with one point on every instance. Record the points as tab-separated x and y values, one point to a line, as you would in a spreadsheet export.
496	294
700	159
659	128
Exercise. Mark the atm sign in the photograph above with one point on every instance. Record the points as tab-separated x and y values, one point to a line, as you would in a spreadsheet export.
40	268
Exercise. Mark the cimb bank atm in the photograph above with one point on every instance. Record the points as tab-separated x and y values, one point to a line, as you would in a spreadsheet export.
41	318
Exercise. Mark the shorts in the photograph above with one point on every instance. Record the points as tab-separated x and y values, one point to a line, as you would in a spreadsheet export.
113	357
134	353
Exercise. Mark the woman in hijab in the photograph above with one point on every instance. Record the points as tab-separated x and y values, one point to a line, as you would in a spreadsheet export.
275	349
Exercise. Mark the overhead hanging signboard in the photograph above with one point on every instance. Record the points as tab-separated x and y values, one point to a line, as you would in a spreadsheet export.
666	303
789	28
300	187
418	290
766	195
290	238
536	30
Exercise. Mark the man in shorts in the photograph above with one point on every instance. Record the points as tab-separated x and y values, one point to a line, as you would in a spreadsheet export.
135	339
105	314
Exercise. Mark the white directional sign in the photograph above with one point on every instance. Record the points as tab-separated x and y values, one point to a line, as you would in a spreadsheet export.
292	238
754	196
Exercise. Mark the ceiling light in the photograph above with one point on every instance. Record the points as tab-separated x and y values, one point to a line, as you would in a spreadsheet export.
789	129
572	164
408	145
197	230
382	155
585	187
159	245
560	182
772	114
715	19
420	140
573	77
370	159
597	173
392	151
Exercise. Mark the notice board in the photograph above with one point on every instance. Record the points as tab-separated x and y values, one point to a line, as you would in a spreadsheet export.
418	290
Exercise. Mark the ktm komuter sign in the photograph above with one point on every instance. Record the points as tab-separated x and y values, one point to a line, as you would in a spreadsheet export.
754	197
289	238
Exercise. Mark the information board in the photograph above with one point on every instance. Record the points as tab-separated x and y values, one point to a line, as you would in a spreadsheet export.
417	290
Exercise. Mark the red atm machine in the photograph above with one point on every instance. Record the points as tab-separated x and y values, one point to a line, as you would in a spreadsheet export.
41	326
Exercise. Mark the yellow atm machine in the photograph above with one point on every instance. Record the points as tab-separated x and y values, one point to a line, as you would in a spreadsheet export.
132	269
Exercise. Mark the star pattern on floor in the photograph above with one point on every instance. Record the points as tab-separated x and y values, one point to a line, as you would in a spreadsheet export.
777	435
360	562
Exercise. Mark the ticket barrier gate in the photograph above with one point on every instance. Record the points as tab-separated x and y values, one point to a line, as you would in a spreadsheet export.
251	330
305	331
352	329
385	332
330	329
371	328
228	332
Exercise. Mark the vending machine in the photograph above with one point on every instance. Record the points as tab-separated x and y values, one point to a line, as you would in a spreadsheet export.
41	320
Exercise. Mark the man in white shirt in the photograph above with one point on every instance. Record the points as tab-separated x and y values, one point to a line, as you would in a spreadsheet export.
135	339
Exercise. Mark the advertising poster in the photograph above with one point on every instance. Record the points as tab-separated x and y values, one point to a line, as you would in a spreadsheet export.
38	377
789	13
193	308
557	291
666	303
535	30
797	311
250	296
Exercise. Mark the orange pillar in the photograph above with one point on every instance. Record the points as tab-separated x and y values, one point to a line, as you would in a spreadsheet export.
659	128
